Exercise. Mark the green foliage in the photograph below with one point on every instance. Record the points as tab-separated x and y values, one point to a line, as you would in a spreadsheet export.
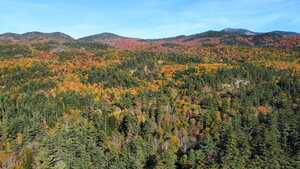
111	78
18	76
87	46
10	51
46	46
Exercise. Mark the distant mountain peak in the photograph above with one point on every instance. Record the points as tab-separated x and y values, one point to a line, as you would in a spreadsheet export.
109	35
48	35
239	31
105	35
101	37
9	34
35	35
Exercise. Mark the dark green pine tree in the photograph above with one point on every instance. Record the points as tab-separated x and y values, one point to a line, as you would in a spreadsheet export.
210	151
167	160
195	159
232	157
273	156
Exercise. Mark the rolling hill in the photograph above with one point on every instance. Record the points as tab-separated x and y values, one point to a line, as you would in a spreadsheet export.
34	37
228	36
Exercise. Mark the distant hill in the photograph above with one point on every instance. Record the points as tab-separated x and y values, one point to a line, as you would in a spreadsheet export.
114	40
100	37
284	33
36	37
228	36
239	31
231	36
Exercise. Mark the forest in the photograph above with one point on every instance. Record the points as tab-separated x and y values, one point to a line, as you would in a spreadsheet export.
81	105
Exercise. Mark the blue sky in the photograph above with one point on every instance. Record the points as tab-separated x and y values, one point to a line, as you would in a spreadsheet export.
147	18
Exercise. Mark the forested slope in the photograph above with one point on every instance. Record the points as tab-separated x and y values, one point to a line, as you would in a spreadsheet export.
87	105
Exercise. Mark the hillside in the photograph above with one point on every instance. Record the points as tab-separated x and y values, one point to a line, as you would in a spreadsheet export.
35	37
225	99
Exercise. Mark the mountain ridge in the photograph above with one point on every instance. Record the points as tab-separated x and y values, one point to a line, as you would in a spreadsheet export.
108	35
227	36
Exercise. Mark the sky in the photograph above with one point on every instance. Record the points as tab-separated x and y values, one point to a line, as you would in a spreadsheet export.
147	18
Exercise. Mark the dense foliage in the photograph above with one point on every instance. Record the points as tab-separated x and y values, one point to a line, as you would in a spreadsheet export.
91	106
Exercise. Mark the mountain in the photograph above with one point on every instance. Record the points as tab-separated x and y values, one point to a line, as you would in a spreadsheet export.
35	37
114	40
9	37
244	37
50	36
100	37
284	33
239	31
